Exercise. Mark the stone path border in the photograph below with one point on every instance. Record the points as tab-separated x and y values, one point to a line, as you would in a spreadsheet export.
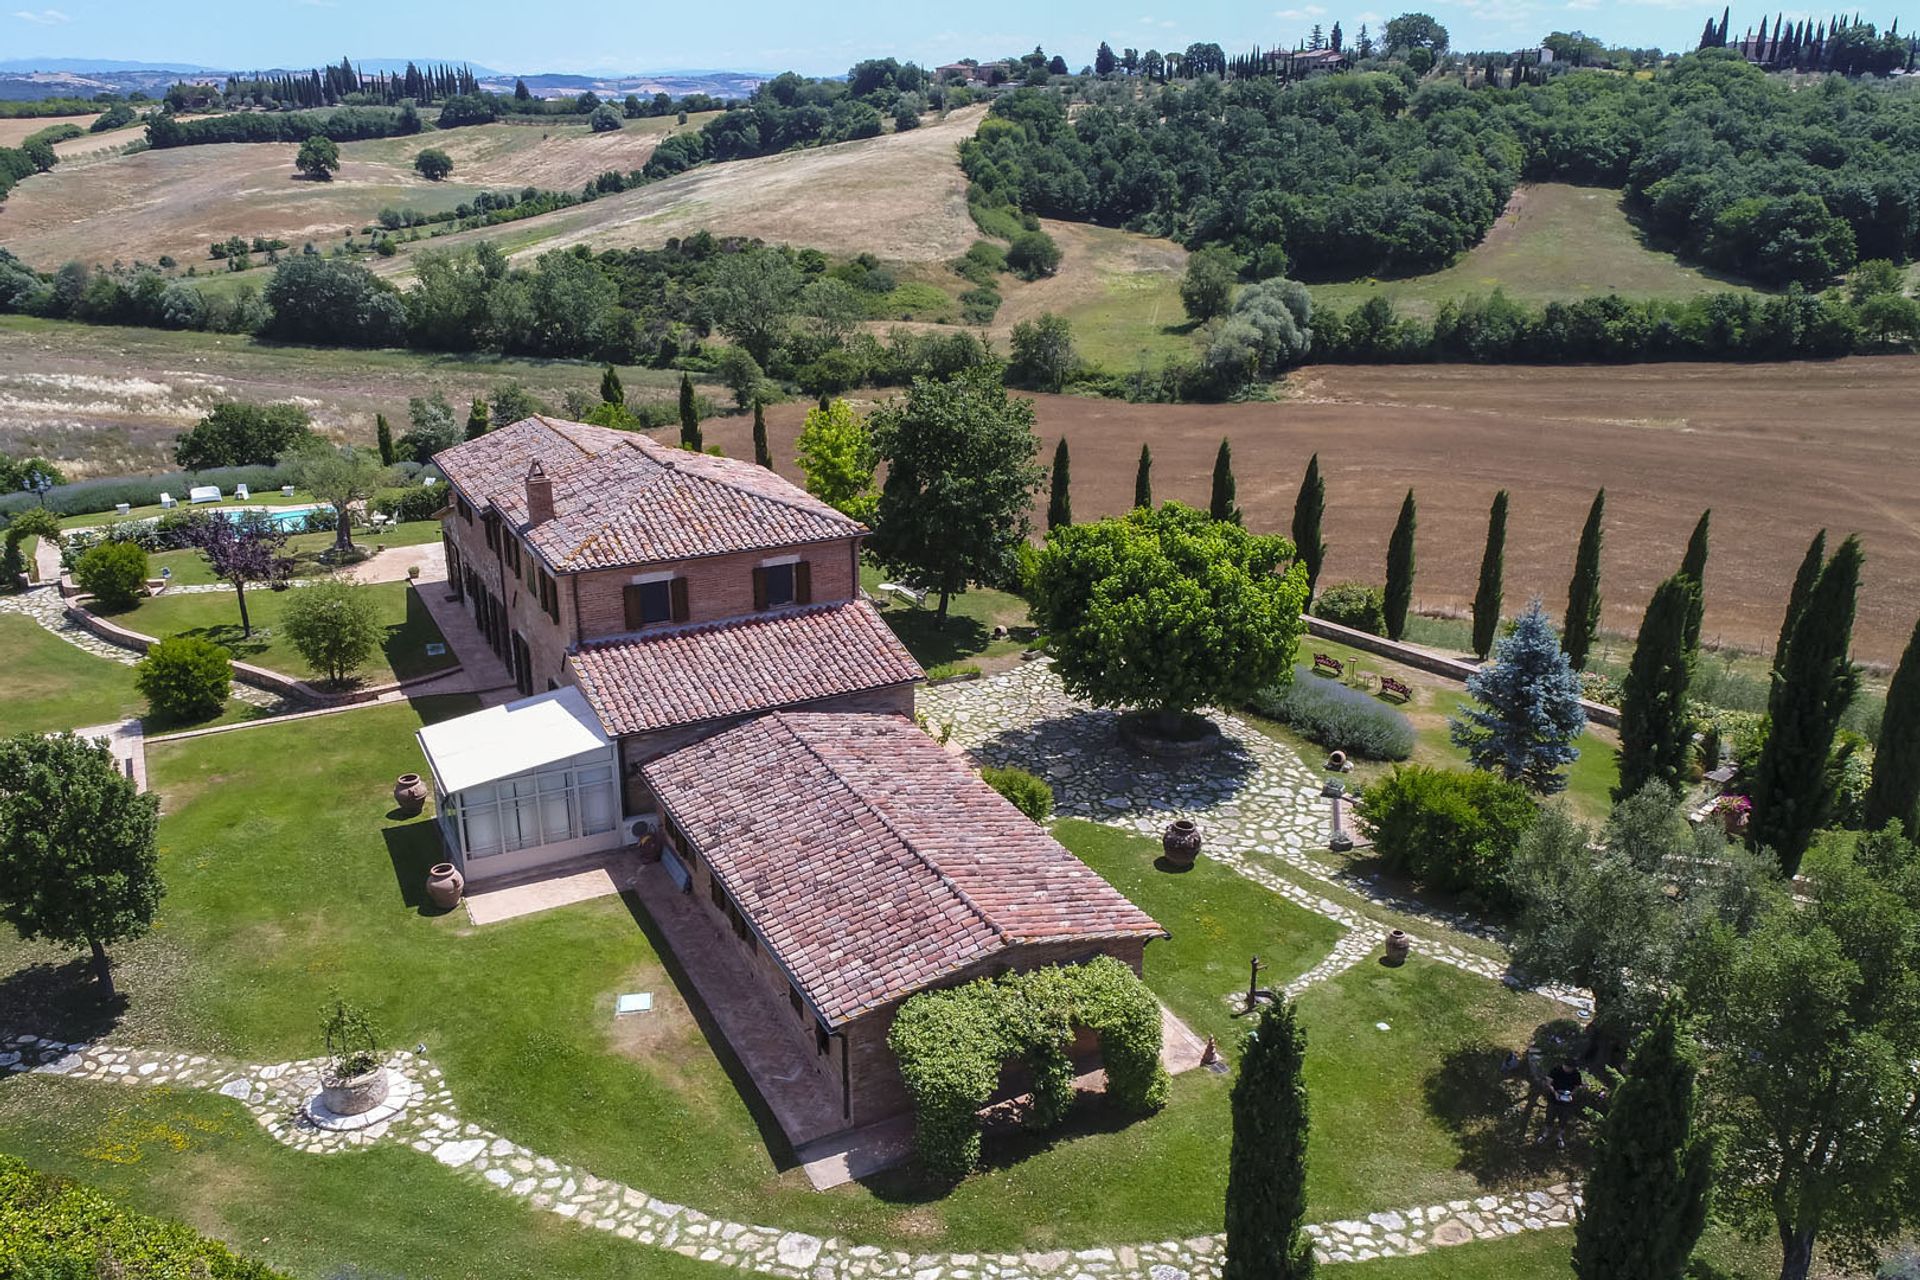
421	1113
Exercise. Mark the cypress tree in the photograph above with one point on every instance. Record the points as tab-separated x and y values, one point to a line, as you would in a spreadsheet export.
1583	593
1791	786
1694	565
1646	1194
1059	502
1267	1168
1654	733
383	437
477	419
1486	600
1308	509
1797	603
1143	480
689	417
1222	505
761	453
611	392
1894	793
1399	593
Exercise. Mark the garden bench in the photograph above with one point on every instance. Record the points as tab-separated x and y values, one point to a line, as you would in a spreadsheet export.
166	502
241	493
203	493
916	594
1328	663
1399	689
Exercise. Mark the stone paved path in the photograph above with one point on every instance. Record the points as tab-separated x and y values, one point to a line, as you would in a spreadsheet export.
420	1112
1256	801
44	606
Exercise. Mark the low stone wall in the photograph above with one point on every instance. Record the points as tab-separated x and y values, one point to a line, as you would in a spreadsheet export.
1432	663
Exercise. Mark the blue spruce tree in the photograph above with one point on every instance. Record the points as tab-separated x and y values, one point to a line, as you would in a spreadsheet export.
1527	710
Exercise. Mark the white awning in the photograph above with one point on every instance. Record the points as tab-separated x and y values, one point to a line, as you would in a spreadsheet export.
501	741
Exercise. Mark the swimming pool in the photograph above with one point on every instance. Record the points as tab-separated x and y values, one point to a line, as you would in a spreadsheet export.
287	519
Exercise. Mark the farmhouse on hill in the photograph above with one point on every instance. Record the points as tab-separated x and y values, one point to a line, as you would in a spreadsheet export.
701	677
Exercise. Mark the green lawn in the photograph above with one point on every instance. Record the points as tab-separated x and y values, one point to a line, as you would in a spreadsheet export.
47	685
971	618
1559	242
190	567
286	880
408	628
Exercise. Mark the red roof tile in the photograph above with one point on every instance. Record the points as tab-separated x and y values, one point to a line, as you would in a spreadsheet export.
620	498
871	861
712	671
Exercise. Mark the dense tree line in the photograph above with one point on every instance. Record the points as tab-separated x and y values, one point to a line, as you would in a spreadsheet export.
344	124
31	157
341	85
1352	174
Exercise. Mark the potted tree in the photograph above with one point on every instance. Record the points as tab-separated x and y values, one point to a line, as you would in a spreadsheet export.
354	1079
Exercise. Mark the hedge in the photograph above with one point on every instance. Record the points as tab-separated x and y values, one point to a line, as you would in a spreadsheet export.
1029	793
90	496
56	1228
1353	604
1338	718
951	1044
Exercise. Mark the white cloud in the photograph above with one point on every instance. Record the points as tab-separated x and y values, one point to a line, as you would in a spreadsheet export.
42	17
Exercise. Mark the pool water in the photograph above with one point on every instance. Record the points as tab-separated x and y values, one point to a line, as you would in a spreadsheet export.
288	519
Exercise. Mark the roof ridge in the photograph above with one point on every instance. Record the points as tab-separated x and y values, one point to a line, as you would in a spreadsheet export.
940	873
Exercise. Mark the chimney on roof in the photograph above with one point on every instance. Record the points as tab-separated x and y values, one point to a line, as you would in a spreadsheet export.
539	495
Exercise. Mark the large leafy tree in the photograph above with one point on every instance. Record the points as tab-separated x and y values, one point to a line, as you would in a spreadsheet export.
752	297
1655	731
1528	709
1486	600
78	865
237	434
1792	788
1646	1195
239	552
1398	598
332	626
318	158
1309	509
960	482
837	458
340	476
1894	793
1583	591
1206	290
1168	609
1813	1016
1267	1164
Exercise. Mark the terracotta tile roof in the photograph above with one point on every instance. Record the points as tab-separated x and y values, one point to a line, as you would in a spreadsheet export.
715	670
498	461
873	862
620	498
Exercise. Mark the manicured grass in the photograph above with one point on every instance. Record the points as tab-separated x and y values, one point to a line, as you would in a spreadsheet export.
286	881
968	633
1558	242
408	628
190	567
1590	779
47	685
387	1211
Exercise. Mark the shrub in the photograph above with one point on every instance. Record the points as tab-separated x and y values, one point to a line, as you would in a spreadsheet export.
1029	793
433	164
1354	604
1448	828
1033	254
1338	718
332	626
185	677
417	502
55	1228
114	572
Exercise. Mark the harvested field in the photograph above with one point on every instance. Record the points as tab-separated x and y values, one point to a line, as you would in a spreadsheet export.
559	157
900	196
14	129
1777	451
103	401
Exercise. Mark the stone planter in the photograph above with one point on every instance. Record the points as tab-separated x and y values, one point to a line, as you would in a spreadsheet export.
1398	944
352	1095
445	885
1181	843
410	793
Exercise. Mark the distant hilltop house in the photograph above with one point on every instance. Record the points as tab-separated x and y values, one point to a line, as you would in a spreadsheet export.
702	677
1309	62
968	72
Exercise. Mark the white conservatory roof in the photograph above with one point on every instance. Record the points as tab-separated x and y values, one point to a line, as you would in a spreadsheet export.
502	741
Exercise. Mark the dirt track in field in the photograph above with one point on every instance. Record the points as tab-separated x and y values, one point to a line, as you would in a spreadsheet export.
1777	451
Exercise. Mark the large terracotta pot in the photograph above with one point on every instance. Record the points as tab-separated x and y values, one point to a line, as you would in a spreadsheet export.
353	1095
1181	843
1397	946
444	885
410	793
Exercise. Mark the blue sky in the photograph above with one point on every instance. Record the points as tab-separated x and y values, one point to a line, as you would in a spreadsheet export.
601	35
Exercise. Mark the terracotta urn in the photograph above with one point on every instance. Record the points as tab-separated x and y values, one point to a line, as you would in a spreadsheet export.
1181	843
410	793
1398	944
445	885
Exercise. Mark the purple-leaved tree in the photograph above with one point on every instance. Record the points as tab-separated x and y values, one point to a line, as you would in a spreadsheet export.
243	551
